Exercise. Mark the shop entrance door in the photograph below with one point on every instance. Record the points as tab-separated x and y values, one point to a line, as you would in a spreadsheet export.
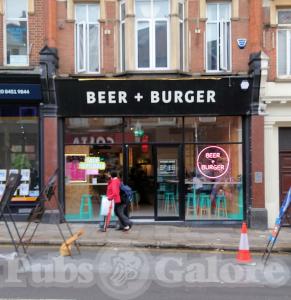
168	182
285	179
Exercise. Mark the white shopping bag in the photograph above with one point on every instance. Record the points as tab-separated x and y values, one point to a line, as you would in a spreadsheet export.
104	208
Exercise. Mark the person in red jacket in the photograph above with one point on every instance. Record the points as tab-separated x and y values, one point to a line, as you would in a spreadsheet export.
113	194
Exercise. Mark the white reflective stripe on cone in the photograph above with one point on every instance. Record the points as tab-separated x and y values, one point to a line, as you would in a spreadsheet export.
244	243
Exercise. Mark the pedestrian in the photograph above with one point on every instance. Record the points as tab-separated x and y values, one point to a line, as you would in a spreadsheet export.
113	194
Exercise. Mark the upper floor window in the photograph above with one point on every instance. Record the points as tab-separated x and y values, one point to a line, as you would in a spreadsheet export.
218	55
284	43
15	33
87	37
152	34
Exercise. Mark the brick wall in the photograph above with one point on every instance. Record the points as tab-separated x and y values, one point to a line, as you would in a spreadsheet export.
50	150
65	40
257	137
1	41
243	27
269	43
246	26
108	49
36	29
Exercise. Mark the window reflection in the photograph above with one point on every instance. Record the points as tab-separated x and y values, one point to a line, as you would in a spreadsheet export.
19	149
214	129
155	129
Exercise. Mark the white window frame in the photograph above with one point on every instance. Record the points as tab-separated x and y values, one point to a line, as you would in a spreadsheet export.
86	41
152	54
182	21
221	25
5	19
122	23
287	28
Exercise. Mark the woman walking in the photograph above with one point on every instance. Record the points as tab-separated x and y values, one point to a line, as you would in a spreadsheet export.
113	193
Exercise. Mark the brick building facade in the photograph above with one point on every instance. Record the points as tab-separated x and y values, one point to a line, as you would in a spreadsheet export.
188	43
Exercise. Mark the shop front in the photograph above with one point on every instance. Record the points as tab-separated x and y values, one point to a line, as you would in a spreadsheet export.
179	143
20	96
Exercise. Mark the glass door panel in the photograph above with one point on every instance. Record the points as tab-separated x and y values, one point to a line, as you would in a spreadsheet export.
141	180
167	192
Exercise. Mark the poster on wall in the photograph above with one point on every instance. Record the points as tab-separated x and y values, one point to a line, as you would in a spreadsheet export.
167	167
3	175
73	171
2	188
92	165
24	189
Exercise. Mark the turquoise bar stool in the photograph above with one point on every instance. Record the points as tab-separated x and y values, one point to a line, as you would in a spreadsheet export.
170	201
191	204
161	195
220	203
205	204
86	207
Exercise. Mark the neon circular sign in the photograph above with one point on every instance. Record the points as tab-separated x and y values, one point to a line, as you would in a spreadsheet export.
213	162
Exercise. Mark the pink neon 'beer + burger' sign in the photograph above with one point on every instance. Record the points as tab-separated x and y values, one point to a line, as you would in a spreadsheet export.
213	162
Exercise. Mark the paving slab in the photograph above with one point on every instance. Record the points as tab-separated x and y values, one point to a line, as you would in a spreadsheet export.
156	236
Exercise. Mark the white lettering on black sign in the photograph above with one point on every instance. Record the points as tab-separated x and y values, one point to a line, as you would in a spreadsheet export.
199	96
114	97
103	97
14	91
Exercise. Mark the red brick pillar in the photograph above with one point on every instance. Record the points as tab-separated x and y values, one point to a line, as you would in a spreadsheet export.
50	150
257	153
255	25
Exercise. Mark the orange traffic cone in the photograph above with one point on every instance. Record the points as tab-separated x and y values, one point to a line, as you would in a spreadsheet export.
244	255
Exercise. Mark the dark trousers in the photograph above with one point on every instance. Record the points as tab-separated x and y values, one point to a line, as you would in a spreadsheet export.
119	210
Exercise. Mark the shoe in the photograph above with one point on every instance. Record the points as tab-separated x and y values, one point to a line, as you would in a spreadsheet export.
126	228
119	228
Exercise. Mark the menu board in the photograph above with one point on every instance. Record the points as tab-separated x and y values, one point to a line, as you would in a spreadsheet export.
167	167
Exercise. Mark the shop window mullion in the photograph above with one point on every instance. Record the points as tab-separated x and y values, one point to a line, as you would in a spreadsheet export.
288	44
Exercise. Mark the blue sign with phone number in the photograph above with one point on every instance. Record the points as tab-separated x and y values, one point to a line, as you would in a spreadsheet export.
20	91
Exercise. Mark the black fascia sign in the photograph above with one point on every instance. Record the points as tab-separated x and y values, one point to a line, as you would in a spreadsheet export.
150	97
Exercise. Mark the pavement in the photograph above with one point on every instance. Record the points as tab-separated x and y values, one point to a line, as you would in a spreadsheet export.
165	236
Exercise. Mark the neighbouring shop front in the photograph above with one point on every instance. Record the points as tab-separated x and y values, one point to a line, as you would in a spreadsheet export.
179	143
20	96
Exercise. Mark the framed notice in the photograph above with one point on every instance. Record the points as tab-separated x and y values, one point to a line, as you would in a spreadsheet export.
24	189
3	174
73	171
167	167
25	174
